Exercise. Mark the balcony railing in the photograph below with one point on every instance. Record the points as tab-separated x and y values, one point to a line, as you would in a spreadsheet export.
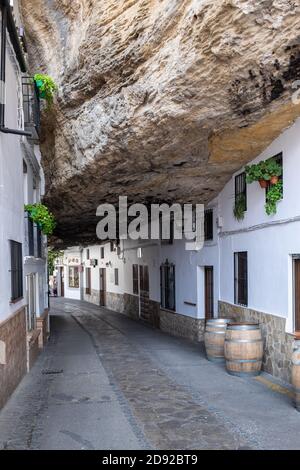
31	107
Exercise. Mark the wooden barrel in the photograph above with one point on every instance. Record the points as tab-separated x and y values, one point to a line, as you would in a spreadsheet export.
243	349
214	338
296	372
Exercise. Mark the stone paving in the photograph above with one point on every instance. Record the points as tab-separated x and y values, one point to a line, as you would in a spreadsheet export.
108	382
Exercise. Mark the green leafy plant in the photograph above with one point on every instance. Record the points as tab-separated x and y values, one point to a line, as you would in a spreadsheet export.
239	207
264	170
274	194
53	254
46	86
254	172
41	216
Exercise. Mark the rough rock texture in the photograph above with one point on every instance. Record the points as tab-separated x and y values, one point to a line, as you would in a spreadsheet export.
160	100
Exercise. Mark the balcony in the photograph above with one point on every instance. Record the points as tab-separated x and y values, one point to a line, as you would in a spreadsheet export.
31	108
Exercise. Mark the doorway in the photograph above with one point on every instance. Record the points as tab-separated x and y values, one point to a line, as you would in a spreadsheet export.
209	292
102	287
297	293
62	281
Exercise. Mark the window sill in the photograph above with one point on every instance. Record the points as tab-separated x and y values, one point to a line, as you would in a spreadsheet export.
167	310
15	301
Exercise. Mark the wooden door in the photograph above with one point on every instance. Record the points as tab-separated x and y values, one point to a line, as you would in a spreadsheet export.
62	282
144	293
102	287
209	292
297	293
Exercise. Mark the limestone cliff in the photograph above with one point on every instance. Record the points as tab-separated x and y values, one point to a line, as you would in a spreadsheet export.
160	100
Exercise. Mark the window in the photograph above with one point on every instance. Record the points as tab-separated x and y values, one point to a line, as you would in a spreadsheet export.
167	285
116	277
278	159
39	243
241	278
30	237
135	279
16	263
208	225
112	246
102	252
87	253
88	281
73	276
240	190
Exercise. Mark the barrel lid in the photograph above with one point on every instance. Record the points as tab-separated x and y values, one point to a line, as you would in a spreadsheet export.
219	320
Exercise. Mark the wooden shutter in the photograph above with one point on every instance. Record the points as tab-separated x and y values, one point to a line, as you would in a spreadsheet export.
297	293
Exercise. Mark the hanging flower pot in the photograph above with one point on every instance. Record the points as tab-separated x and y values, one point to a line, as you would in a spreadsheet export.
263	183
274	179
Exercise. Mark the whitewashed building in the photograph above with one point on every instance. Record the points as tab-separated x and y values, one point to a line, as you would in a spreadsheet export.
247	269
23	277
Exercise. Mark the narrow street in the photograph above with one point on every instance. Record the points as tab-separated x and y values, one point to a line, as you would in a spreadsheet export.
107	382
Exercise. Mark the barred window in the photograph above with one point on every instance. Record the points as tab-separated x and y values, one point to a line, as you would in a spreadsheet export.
240	192
116	277
30	237
208	225
16	270
241	278
39	243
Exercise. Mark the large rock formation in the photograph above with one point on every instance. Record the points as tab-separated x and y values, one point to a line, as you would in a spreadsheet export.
159	100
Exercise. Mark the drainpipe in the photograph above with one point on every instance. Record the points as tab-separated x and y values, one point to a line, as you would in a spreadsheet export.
5	5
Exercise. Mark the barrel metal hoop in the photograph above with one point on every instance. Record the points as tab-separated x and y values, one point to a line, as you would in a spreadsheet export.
243	327
215	332
243	340
242	361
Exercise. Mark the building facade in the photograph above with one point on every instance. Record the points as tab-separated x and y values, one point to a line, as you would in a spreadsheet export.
23	273
248	269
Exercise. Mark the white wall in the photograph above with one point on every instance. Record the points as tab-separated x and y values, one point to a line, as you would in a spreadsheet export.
11	192
269	244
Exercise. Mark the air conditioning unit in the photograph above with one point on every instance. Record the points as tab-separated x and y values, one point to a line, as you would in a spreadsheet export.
93	262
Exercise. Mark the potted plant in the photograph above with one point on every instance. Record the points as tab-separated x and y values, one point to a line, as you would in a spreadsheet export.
274	170
263	172
256	172
46	87
41	216
239	207
274	195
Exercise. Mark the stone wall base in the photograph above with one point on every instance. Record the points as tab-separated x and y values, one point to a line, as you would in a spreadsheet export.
115	302
42	324
13	338
173	323
277	343
182	325
131	306
93	297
